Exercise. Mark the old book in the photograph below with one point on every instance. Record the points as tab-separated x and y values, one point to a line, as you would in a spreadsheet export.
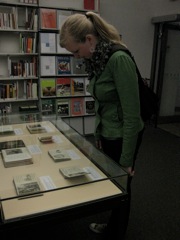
36	128
16	157
11	144
59	155
26	184
6	129
74	171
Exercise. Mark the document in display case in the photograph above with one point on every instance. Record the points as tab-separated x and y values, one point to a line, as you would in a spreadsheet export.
89	176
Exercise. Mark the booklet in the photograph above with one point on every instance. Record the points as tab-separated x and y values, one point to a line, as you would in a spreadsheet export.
74	171
59	155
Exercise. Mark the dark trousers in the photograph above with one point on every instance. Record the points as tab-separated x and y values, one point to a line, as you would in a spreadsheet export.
119	218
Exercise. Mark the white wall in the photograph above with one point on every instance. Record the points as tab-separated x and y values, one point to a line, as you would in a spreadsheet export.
133	20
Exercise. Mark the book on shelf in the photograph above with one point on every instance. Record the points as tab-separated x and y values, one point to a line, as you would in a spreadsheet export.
6	129
48	106
59	155
63	107
62	15
16	157
77	106
36	128
11	144
63	65
48	65
27	184
77	86
48	87
86	85
77	66
89	4
8	91
59	48
89	105
74	171
63	87
47	42
48	18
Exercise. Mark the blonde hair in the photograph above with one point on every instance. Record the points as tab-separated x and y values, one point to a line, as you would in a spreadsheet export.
79	25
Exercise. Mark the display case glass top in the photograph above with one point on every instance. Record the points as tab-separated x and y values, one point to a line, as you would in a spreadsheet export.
47	166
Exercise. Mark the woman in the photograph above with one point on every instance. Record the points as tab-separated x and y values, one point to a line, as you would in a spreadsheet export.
114	86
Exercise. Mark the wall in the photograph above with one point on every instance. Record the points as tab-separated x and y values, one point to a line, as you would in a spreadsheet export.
133	20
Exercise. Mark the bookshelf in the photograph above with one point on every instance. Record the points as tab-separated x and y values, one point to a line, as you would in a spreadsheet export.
36	74
18	56
63	79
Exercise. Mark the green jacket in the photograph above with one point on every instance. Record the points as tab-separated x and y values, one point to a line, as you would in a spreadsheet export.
117	105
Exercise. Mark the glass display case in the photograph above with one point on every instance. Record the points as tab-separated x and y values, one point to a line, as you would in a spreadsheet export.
41	184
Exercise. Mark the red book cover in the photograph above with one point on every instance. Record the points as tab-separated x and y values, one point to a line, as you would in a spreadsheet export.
89	4
77	106
48	18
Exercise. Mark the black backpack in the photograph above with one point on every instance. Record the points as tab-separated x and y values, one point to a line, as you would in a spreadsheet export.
148	99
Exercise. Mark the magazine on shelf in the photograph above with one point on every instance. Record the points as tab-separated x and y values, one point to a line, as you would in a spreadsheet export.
63	65
77	86
59	155
77	66
63	107
36	128
48	65
16	157
48	18
26	184
59	48
48	87
48	106
89	105
6	129
62	15
63	87
11	144
74	171
48	42
77	106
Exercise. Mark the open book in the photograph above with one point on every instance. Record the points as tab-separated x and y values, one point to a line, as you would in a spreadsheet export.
26	184
59	155
74	171
16	157
36	128
6	129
